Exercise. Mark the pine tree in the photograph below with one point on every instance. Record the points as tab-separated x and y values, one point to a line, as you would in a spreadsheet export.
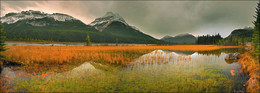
2	40
88	40
256	43
116	41
243	40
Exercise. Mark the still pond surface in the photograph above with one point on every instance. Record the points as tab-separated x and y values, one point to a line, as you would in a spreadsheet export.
158	71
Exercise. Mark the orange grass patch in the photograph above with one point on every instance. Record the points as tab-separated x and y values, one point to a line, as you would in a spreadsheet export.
232	72
251	66
4	88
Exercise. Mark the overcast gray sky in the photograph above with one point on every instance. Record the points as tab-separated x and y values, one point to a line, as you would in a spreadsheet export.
156	18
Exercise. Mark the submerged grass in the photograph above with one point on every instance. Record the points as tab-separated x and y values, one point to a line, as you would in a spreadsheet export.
135	81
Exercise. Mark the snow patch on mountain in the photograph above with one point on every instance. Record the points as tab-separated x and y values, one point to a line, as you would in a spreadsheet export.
31	14
102	22
61	17
108	17
38	23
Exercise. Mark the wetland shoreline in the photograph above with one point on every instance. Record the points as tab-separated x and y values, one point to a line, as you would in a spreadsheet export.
251	66
58	55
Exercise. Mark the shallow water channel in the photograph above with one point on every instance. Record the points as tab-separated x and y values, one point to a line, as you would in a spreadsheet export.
158	71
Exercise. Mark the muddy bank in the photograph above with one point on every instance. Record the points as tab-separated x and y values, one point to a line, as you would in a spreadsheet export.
251	66
5	63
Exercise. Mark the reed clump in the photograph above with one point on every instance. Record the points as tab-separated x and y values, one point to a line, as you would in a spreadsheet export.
252	67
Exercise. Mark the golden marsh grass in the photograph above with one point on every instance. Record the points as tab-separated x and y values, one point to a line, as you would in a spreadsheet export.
71	54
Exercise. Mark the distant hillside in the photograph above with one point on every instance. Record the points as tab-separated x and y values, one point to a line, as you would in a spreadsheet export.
246	32
180	39
36	26
238	37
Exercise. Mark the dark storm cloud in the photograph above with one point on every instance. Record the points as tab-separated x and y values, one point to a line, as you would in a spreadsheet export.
226	15
136	12
156	18
229	12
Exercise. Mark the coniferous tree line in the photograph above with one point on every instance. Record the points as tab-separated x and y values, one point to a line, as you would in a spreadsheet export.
256	41
234	40
209	39
2	40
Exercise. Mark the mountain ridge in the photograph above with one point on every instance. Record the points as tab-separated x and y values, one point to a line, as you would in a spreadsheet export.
245	32
11	18
36	25
184	38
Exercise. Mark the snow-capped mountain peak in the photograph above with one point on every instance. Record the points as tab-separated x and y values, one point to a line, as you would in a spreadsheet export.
108	17
31	14
102	22
114	16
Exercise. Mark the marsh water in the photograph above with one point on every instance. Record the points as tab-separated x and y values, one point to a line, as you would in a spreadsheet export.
157	71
